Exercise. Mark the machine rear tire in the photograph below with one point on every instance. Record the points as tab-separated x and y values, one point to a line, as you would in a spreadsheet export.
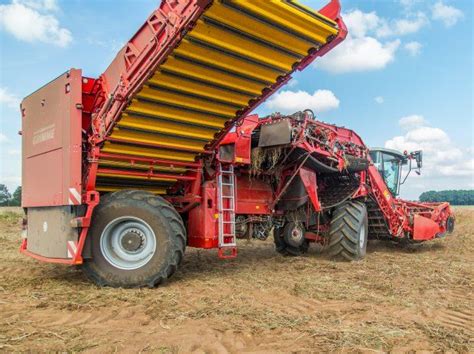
283	243
348	232
450	225
137	239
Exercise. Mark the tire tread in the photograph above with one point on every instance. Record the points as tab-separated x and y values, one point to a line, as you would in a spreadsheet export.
178	241
343	231
285	249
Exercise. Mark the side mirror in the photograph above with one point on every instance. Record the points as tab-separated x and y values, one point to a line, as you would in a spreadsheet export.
418	155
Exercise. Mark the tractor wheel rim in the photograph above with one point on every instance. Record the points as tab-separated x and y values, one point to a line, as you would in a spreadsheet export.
128	243
362	237
296	234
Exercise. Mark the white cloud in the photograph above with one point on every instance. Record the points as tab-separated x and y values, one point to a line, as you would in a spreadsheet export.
8	99
359	54
291	101
411	122
3	138
365	48
408	4
32	21
442	159
14	152
361	23
449	15
11	181
379	99
427	134
45	5
413	48
407	26
359	51
292	83
461	169
401	27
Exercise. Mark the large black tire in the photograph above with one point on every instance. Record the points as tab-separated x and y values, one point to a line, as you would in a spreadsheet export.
284	243
348	231
450	224
165	230
242	229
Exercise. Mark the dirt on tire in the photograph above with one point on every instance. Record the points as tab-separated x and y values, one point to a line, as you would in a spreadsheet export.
396	299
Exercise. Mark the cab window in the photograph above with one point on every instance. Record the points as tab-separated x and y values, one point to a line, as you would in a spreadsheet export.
389	167
390	170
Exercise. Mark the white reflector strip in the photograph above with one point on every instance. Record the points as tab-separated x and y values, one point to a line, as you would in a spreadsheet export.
71	249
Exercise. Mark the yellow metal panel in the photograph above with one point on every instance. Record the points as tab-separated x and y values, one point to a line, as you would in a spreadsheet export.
216	77
176	99
139	166
118	188
199	89
165	127
174	114
114	175
295	20
258	29
147	152
309	15
166	141
227	76
241	46
227	62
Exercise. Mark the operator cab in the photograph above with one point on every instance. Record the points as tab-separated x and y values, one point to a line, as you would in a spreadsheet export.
390	163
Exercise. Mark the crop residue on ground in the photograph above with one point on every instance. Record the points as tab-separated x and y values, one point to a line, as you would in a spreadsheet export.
398	298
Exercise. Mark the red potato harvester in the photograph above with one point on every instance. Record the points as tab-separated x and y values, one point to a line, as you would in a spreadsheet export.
122	172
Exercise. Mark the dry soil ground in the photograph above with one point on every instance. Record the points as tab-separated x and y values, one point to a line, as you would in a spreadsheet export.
397	299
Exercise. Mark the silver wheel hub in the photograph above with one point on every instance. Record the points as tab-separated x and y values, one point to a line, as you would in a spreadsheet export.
296	235
133	240
128	243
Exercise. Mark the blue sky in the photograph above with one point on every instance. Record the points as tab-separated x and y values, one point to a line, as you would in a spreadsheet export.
403	78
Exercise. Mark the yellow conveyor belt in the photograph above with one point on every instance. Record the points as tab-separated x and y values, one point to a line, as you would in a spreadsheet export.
236	50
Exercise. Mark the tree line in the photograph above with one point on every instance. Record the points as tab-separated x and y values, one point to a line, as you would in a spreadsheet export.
454	197
8	199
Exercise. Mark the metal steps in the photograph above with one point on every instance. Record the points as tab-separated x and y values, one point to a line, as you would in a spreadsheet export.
377	226
226	211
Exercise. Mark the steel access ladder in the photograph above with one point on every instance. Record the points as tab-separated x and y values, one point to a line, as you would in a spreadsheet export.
226	211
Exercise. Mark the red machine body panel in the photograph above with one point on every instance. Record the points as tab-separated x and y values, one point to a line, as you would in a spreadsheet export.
424	228
309	180
253	196
241	138
52	153
202	221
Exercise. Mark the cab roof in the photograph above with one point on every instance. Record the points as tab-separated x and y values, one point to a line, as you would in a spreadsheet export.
393	152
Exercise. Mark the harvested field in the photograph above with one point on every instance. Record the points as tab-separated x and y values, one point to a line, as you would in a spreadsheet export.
399	299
